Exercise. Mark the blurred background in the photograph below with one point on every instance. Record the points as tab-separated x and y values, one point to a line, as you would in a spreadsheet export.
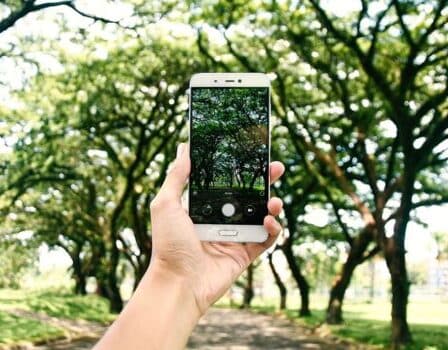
93	103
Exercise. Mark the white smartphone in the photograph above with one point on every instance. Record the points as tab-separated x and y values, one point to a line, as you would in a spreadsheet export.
229	118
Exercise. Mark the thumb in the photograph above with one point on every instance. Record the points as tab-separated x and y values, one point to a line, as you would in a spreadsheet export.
177	176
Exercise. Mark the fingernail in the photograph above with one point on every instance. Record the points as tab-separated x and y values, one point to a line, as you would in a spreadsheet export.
180	149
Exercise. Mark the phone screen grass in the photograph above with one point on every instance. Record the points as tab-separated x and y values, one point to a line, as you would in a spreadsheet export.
229	150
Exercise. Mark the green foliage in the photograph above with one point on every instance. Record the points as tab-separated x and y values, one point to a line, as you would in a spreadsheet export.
16	258
10	5
93	145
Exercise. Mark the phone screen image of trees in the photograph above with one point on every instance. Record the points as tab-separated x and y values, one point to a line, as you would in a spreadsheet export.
230	146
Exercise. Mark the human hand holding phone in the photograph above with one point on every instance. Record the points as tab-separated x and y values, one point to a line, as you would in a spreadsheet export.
186	275
209	267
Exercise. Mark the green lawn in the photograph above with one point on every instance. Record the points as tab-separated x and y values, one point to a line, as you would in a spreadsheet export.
90	307
369	322
57	304
18	329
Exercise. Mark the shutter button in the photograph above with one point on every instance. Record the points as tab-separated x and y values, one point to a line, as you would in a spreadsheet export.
228	209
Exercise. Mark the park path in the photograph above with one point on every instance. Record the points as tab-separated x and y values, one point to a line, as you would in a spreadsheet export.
230	329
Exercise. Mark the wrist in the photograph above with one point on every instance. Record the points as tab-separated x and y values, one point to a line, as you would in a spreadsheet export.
161	315
178	288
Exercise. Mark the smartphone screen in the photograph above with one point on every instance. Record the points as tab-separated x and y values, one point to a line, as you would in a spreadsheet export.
229	150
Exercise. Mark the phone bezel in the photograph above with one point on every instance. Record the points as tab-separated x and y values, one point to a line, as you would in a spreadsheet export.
246	233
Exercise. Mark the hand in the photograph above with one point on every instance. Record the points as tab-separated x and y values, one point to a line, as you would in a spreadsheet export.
208	268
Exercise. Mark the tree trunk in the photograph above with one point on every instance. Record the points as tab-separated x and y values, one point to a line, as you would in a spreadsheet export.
255	177
101	289
107	283
302	284
80	286
116	302
355	257
396	263
395	254
77	266
281	286
337	292
107	287
142	238
80	278
248	288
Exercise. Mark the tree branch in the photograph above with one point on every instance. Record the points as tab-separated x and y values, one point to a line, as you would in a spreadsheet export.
365	60
368	164
430	202
27	8
30	6
335	207
371	254
433	26
375	32
361	15
406	32
203	50
391	163
437	136
240	57
94	17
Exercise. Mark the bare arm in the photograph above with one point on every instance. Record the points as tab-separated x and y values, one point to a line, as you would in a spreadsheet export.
161	315
186	275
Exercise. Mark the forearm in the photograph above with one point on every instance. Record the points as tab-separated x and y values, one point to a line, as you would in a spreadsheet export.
160	315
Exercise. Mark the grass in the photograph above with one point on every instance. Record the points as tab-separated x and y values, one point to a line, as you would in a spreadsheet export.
59	304
89	308
369	322
15	329
426	336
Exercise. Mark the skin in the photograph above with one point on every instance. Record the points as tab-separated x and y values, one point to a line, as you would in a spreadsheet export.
186	276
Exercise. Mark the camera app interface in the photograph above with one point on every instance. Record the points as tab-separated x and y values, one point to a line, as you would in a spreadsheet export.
229	155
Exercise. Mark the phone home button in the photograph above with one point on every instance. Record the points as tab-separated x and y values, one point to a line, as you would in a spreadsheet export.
228	209
228	233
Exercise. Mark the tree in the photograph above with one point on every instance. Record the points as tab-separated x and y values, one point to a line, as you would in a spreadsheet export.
394	92
29	54
362	97
107	152
291	213
248	286
283	291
